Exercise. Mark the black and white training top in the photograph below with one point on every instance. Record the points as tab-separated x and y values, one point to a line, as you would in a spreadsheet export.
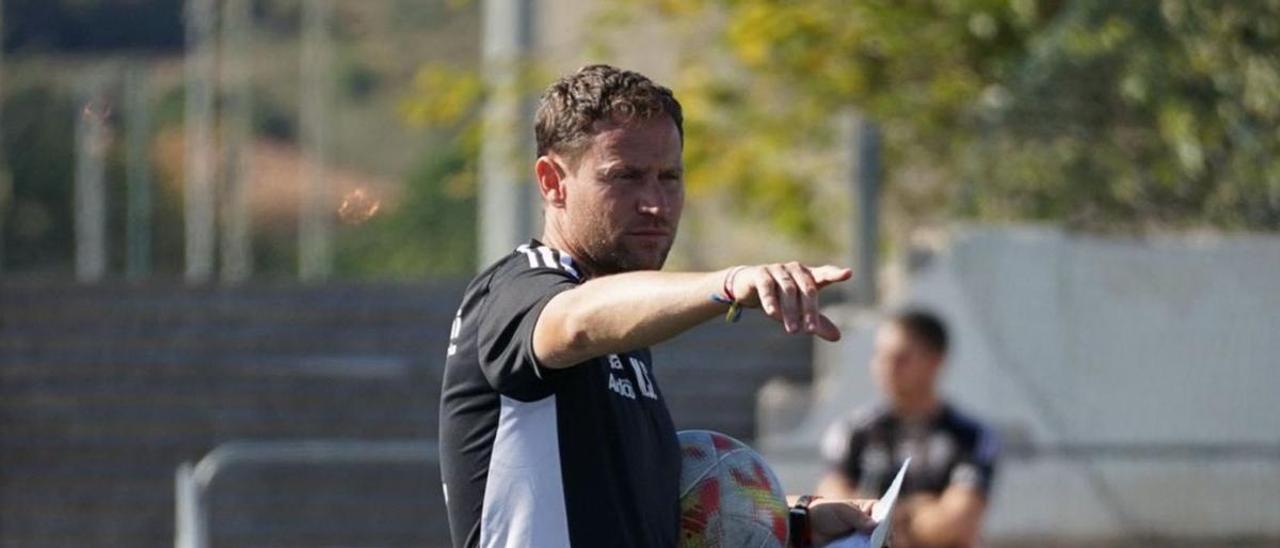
948	449
534	457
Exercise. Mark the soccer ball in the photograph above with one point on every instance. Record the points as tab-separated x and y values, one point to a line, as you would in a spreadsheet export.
728	495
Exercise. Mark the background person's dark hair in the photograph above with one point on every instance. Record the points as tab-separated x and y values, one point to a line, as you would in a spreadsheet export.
925	327
571	105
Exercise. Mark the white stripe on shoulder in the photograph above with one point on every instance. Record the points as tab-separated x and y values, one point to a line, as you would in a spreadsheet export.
533	258
547	260
546	257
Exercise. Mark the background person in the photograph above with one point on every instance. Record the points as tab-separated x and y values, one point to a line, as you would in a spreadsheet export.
953	456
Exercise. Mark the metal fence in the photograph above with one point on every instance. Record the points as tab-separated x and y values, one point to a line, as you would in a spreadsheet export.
193	481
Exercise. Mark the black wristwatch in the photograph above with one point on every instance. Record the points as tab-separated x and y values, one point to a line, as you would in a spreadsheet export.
798	522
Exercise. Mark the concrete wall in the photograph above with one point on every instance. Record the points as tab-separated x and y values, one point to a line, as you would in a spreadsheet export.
1137	381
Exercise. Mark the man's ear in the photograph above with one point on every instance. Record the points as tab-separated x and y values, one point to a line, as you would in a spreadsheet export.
551	181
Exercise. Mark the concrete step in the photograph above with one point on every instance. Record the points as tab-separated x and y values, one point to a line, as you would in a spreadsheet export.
104	390
17	343
105	365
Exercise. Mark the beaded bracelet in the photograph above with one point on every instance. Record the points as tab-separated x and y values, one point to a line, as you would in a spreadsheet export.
735	309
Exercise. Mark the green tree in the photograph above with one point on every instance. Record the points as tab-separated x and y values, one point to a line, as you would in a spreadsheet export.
1115	115
1124	114
431	232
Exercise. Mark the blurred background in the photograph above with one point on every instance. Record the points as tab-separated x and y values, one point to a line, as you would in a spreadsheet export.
233	234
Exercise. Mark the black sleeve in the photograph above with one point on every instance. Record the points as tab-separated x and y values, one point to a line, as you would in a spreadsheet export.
505	336
977	467
842	450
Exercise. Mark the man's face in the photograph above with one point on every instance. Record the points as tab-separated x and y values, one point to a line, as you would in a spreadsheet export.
623	201
904	368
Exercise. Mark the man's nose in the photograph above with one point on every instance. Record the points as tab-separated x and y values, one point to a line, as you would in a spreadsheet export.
653	199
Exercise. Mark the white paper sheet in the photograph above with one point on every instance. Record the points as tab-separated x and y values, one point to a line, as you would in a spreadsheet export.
882	514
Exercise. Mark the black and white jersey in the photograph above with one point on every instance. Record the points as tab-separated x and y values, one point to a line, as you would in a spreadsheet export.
946	450
535	457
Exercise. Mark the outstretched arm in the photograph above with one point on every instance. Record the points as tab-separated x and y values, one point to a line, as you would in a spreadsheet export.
623	312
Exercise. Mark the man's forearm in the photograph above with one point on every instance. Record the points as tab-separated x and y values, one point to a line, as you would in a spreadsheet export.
949	520
623	312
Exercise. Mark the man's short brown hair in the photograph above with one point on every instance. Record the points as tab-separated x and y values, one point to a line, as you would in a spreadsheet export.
574	103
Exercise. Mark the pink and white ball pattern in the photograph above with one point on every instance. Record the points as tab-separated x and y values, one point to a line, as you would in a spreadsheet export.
728	495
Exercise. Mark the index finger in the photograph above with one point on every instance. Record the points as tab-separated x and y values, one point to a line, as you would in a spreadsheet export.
828	274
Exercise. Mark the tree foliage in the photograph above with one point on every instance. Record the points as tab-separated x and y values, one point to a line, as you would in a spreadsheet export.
430	233
1124	114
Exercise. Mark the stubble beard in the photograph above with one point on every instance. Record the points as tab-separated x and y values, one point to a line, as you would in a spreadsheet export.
611	254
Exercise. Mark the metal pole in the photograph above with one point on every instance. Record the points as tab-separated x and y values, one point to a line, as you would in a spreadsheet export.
192	482
90	187
138	205
315	223
505	188
237	260
5	181
191	529
199	192
865	178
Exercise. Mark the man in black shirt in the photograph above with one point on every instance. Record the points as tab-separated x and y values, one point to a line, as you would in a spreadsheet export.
953	457
553	428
